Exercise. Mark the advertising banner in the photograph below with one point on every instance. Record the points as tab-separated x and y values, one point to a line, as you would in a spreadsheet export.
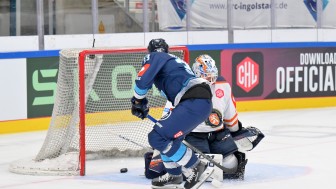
275	73
213	14
41	85
118	80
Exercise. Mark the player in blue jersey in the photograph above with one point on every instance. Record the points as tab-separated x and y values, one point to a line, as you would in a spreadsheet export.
191	97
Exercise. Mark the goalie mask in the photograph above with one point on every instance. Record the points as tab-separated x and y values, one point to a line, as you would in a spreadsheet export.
205	67
157	45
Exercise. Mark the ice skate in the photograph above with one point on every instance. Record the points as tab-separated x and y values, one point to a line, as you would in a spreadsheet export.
168	181
196	178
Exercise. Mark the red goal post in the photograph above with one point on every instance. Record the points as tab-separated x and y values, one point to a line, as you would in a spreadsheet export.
92	110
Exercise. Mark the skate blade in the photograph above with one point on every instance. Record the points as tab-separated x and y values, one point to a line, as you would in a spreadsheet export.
203	178
172	186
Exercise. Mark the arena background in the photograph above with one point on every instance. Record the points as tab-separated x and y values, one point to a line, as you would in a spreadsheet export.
281	57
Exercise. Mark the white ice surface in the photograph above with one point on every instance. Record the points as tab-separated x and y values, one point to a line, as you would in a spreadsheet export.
298	152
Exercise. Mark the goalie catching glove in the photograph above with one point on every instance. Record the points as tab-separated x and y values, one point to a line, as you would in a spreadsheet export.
140	107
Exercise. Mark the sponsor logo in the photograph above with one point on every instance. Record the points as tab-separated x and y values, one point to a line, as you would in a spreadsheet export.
180	7
178	134
42	76
247	74
312	6
143	70
314	74
215	119
219	93
41	85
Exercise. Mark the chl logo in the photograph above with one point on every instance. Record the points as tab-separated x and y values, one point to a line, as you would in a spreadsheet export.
247	74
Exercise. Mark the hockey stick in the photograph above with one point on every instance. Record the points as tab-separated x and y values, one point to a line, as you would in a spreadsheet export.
130	140
226	170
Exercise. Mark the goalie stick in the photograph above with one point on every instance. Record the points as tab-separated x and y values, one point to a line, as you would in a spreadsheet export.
226	170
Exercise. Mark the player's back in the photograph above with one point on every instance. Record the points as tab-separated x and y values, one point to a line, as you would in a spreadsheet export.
174	74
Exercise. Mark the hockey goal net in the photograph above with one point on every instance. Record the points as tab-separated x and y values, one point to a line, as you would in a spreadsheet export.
91	118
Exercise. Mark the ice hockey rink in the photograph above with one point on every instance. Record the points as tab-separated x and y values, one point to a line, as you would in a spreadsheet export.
298	152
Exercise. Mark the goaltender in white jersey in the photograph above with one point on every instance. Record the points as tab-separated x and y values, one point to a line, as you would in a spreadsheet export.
224	109
215	134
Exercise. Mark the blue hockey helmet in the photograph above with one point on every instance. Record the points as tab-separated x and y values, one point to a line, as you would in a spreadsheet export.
158	45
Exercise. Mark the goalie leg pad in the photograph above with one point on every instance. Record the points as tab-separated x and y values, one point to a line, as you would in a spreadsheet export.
240	173
153	166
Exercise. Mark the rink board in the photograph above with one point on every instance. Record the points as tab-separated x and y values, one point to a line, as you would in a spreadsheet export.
37	124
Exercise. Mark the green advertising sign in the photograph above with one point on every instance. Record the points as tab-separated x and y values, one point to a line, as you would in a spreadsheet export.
42	76
41	85
112	89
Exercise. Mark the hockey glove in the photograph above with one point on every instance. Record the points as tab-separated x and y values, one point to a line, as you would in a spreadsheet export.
140	107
